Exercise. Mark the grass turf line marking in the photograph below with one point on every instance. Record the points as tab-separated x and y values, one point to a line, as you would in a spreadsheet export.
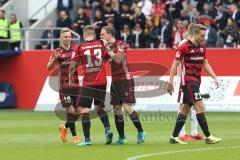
179	151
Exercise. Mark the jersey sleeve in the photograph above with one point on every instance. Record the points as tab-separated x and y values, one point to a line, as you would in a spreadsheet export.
180	52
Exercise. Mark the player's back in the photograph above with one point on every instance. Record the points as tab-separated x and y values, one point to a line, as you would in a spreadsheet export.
94	70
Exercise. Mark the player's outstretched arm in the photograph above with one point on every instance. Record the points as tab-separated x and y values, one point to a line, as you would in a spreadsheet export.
170	88
210	71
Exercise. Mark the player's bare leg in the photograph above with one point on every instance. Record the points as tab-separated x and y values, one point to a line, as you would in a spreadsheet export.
199	106
105	121
181	119
119	122
136	121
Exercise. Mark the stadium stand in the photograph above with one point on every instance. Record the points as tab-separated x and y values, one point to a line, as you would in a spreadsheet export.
222	17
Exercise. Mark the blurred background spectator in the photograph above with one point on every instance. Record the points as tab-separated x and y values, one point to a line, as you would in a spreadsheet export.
235	14
179	32
80	21
15	33
48	35
211	36
66	5
4	33
99	21
126	15
165	33
230	34
126	33
146	6
110	15
163	23
138	37
139	17
151	34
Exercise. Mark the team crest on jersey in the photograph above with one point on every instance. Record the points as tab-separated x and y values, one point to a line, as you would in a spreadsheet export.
120	48
201	49
178	54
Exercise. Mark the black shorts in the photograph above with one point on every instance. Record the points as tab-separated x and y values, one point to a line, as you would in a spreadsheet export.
90	93
189	93
122	92
68	96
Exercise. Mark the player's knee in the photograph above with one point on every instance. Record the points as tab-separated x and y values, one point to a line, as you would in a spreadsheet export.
70	109
199	106
185	109
117	110
84	110
128	108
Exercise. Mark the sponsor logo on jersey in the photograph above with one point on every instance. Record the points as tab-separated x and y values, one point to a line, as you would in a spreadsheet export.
120	48
197	58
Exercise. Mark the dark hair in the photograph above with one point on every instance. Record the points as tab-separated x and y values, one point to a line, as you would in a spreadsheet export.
108	5
67	13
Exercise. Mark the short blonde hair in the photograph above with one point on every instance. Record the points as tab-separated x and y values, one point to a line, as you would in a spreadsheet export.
65	29
195	28
89	30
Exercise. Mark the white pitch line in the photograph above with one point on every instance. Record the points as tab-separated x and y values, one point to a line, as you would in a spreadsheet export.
179	151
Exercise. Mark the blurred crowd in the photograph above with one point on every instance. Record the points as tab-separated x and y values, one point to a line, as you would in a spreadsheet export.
149	23
10	34
156	23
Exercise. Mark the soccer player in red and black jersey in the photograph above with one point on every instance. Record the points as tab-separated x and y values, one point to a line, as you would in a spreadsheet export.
122	87
94	82
61	57
191	54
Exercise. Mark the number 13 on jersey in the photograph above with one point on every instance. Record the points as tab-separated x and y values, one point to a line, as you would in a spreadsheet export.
91	61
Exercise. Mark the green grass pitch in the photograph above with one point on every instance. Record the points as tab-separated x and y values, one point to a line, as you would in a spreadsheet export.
26	135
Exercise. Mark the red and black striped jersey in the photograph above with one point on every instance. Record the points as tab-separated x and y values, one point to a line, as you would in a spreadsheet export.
63	63
192	57
93	53
120	71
